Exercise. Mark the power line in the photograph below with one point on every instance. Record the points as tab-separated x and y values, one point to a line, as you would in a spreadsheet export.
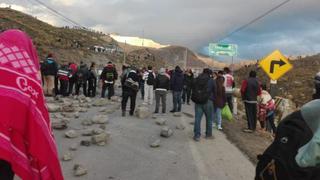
60	14
254	20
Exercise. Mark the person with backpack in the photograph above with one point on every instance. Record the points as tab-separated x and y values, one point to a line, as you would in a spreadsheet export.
229	84
187	86
316	95
162	84
82	78
92	80
73	79
294	153
63	76
250	90
108	77
149	79
130	90
50	69
266	111
220	100
176	85
203	92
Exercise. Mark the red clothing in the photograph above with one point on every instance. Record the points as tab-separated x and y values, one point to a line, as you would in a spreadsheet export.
74	68
26	139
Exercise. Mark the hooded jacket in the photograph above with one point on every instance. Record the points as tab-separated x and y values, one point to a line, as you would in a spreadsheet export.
177	79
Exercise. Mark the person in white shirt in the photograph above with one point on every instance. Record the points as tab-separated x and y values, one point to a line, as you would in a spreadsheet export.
229	85
149	79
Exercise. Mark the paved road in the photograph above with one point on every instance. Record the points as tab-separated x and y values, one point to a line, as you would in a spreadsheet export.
128	155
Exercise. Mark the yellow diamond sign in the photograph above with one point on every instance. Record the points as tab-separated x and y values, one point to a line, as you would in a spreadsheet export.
275	65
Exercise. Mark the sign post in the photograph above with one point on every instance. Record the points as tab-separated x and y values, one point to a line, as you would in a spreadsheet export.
275	66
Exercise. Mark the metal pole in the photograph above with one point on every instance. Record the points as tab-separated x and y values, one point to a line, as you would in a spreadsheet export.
186	59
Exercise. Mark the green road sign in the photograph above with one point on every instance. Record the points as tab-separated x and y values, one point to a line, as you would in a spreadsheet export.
223	49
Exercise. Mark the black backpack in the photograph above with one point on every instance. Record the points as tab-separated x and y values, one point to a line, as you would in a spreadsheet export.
151	79
278	161
109	74
200	94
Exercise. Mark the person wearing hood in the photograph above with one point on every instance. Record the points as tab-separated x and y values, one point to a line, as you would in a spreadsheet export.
108	77
187	86
309	154
162	84
50	69
82	78
129	90
176	85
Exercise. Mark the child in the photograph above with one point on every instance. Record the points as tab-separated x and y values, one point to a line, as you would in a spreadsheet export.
266	109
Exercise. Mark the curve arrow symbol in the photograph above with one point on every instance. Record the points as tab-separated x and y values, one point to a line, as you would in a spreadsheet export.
276	62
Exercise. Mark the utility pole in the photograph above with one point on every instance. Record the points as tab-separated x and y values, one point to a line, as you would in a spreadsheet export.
186	59
142	37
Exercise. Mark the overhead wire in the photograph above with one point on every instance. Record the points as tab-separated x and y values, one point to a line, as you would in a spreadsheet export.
253	21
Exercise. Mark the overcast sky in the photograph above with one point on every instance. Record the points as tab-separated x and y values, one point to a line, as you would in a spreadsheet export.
294	28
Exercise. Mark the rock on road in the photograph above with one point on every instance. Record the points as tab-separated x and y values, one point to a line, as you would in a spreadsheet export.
128	155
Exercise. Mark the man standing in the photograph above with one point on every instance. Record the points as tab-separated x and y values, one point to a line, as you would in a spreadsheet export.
130	90
72	81
250	90
203	92
229	85
63	76
108	77
92	80
162	85
149	79
50	69
177	87
82	78
187	86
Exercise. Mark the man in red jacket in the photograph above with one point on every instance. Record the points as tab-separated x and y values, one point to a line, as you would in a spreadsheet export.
250	90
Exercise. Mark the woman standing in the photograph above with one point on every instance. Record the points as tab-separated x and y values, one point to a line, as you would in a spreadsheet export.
27	146
219	100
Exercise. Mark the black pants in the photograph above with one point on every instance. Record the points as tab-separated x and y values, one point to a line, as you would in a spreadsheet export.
72	82
56	82
110	88
230	101
64	87
142	90
6	172
251	112
186	94
92	87
84	86
125	96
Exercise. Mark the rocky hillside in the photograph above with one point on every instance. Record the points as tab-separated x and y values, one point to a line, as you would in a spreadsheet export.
74	44
296	85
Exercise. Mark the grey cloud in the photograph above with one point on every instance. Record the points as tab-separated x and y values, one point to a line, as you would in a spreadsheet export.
195	23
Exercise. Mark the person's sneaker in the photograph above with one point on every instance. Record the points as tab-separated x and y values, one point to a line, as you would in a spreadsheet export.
248	131
131	113
156	112
123	113
197	139
220	128
210	137
172	111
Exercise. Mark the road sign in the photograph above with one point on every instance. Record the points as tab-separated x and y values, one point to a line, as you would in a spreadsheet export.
223	49
275	65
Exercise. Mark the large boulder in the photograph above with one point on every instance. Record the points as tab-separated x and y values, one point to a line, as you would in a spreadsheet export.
161	122
166	132
100	139
53	108
143	112
100	119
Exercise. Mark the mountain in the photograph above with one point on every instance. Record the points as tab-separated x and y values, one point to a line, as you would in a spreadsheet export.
76	44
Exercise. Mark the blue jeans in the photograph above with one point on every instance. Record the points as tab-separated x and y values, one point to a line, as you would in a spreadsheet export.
177	95
218	117
207	110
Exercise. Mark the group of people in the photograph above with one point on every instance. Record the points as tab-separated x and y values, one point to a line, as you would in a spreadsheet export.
68	78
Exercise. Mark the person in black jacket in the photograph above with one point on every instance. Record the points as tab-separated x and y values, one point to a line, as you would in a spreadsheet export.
63	76
177	87
92	80
108	77
129	92
187	86
49	71
162	84
82	76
